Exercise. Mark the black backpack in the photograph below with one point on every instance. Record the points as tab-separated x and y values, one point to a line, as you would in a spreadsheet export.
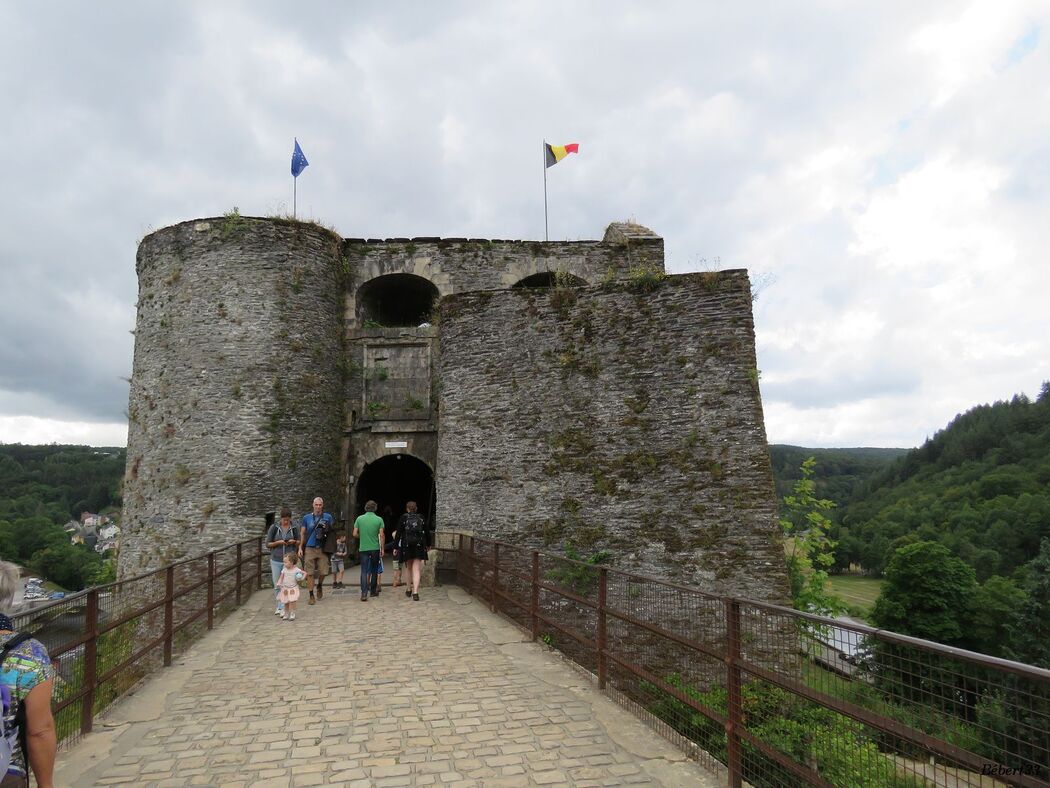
415	533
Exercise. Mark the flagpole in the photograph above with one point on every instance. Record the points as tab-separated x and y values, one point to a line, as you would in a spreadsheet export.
546	234
295	182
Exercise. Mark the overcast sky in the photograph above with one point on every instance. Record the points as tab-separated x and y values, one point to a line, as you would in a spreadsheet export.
882	168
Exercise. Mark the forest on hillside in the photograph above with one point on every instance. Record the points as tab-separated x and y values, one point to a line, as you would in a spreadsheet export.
838	474
44	487
980	487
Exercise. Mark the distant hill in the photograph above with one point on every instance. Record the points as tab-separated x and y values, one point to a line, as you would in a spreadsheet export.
980	486
839	472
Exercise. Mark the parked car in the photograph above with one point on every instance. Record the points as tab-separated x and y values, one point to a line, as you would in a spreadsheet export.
57	595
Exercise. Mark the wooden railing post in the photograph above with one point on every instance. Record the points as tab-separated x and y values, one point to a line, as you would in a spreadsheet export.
169	613
534	602
603	589
734	719
495	578
473	566
211	589
87	703
460	574
237	575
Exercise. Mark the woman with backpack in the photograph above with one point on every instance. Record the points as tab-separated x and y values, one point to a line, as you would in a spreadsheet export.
413	539
27	679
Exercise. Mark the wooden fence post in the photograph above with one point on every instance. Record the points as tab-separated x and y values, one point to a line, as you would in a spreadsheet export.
87	703
211	589
495	577
734	720
169	613
473	566
534	602
603	588
237	574
460	574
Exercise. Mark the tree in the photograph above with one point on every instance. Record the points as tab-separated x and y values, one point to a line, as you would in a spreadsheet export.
810	553
926	594
994	609
1032	635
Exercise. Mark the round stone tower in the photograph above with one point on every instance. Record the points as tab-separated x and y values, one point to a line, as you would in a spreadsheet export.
236	404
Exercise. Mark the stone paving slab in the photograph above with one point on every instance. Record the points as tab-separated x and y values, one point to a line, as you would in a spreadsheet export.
389	692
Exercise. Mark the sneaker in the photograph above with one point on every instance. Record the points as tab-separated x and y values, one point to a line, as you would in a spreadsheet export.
320	592
415	597
291	617
408	592
278	612
364	597
284	616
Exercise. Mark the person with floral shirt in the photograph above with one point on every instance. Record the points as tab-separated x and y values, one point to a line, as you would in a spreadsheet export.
27	679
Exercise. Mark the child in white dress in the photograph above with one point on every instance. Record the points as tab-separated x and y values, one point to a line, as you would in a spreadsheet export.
288	583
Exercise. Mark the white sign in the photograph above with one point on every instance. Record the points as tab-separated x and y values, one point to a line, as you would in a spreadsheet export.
397	444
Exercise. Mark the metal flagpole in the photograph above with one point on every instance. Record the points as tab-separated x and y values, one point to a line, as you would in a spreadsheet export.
546	234
295	182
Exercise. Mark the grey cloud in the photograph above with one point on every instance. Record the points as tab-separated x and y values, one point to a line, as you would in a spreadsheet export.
426	119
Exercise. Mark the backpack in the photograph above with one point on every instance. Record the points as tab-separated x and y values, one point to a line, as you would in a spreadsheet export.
414	536
9	739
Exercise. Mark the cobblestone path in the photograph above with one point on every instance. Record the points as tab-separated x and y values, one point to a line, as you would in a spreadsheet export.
388	692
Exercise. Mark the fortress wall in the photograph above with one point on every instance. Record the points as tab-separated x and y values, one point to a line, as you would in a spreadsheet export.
456	264
616	419
236	402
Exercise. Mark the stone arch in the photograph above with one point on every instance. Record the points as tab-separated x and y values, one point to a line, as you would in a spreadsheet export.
551	279
396	300
393	479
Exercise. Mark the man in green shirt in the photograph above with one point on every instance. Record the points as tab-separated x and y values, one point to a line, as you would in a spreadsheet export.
368	528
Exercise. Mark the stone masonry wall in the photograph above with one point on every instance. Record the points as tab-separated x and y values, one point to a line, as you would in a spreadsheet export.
457	265
236	404
624	417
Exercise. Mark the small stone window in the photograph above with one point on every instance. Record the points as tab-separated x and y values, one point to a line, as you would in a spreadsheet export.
396	300
551	279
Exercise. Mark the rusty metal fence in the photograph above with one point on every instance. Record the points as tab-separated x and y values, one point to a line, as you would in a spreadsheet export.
775	696
105	639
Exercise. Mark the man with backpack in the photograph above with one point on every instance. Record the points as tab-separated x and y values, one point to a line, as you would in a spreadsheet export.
413	542
282	537
314	548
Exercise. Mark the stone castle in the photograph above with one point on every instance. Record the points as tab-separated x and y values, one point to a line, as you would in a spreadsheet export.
543	393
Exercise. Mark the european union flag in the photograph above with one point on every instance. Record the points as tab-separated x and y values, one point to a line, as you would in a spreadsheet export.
299	162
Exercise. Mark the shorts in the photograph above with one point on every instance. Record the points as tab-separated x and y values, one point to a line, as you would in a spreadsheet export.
315	562
337	565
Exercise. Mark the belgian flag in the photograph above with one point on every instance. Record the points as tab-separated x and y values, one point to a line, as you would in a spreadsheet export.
555	153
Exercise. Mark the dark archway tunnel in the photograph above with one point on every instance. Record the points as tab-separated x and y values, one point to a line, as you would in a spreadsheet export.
396	300
391	482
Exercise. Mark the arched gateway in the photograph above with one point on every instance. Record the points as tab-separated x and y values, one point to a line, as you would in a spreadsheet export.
392	481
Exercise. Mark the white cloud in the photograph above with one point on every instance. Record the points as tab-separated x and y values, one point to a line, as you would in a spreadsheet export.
29	429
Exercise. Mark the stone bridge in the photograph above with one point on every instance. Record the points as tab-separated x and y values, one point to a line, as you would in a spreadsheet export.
385	693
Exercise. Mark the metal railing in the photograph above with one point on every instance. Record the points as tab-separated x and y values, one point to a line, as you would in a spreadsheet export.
105	639
776	696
